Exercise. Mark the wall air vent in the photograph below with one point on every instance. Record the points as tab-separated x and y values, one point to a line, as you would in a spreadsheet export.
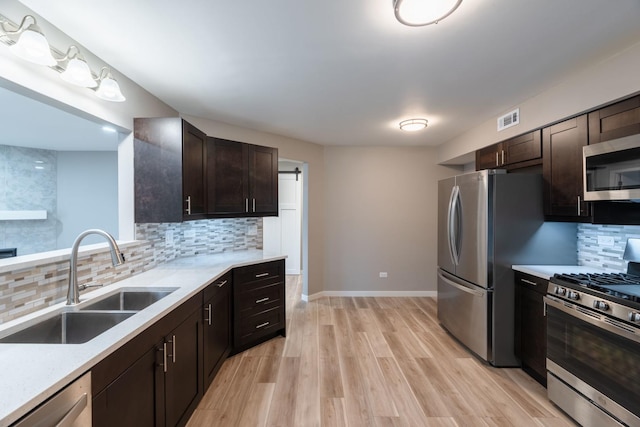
509	119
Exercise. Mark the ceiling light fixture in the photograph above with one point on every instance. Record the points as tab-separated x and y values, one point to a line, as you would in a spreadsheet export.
31	44
28	42
417	13
77	71
413	125
109	89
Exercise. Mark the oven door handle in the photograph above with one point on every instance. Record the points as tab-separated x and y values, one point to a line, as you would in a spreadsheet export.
600	320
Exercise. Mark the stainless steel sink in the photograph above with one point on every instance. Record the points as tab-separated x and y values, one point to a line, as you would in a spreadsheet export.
129	299
68	327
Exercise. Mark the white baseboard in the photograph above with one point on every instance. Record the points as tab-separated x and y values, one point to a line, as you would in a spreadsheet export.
318	295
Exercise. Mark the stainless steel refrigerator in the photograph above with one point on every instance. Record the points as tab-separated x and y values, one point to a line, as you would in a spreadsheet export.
487	222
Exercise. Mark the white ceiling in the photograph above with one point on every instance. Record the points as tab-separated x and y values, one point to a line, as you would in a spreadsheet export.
346	72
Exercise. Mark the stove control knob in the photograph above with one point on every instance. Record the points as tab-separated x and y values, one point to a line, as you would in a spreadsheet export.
634	316
573	295
560	291
601	305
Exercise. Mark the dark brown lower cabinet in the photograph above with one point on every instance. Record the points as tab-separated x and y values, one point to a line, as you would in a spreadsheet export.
183	379
531	325
258	304
155	379
217	326
116	404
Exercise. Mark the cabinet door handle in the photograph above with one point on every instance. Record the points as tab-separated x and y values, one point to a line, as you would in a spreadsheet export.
254	205
503	157
246	205
164	356
173	348
529	282
261	275
578	205
188	205
221	284
497	161
258	301
262	325
208	310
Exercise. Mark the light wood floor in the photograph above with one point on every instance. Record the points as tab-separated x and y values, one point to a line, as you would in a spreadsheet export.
369	362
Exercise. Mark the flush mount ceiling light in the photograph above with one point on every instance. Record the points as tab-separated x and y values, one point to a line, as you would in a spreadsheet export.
77	71
109	89
416	13
413	125
28	42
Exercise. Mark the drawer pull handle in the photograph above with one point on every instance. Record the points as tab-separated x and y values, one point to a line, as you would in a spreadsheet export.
258	301
261	275
221	284
529	282
262	325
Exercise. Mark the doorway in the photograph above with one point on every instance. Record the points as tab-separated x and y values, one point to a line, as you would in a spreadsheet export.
283	234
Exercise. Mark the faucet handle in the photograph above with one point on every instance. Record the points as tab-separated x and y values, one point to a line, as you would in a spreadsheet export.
85	286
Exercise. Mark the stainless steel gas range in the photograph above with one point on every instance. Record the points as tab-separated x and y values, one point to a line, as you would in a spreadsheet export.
593	346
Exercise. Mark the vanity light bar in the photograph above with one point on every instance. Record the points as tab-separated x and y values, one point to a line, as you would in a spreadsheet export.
28	42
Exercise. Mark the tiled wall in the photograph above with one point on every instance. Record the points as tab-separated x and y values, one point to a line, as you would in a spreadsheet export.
27	290
593	254
27	185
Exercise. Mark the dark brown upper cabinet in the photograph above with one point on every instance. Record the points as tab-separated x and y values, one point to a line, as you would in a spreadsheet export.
615	121
562	170
169	170
242	179
521	151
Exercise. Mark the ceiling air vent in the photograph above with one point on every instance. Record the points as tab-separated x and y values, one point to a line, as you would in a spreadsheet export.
509	119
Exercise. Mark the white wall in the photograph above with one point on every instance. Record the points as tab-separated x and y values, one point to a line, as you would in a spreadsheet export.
87	189
606	81
381	216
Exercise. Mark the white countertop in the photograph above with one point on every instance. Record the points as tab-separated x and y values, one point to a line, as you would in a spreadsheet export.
547	271
31	373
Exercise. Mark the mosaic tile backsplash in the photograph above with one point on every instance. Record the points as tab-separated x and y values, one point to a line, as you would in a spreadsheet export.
27	290
608	257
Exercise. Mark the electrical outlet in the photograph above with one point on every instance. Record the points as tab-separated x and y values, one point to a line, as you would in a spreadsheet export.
189	234
606	241
383	275
168	237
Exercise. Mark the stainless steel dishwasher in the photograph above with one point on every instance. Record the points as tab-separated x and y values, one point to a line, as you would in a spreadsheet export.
70	407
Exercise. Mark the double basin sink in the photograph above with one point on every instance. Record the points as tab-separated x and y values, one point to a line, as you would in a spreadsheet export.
77	325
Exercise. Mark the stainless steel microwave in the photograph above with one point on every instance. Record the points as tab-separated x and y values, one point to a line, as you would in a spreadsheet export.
611	169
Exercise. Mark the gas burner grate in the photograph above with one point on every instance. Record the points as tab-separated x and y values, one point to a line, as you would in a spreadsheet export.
599	279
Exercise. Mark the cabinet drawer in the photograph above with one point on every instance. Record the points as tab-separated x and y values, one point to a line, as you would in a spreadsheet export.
260	299
258	275
219	287
262	324
531	282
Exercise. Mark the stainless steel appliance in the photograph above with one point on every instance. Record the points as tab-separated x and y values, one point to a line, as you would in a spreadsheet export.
611	169
70	407
593	346
488	221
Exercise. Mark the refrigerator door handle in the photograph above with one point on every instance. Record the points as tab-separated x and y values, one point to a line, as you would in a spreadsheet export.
459	286
456	225
451	225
